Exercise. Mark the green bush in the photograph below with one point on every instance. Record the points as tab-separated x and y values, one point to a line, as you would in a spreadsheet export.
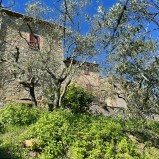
61	134
77	99
19	114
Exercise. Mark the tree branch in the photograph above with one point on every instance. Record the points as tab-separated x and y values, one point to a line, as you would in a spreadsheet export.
120	17
52	74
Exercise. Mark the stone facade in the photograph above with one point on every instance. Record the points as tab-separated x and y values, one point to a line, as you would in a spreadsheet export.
89	78
108	93
16	31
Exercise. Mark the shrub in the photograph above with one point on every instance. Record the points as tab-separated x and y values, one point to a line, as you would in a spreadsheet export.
61	134
19	114
77	99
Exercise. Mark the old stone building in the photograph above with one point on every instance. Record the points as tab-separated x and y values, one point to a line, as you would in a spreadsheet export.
88	75
26	36
23	37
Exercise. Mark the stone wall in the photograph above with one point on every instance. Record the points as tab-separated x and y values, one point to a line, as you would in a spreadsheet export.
15	33
108	94
88	79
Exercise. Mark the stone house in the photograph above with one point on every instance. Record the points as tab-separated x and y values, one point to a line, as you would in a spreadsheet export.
23	33
88	75
111	93
89	78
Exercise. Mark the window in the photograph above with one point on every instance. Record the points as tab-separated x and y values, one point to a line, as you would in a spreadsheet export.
89	87
34	42
86	71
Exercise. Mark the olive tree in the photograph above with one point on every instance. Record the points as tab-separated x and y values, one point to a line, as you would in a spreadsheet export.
75	46
128	34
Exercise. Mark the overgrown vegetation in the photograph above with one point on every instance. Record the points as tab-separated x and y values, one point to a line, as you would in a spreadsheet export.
125	35
77	99
62	134
19	114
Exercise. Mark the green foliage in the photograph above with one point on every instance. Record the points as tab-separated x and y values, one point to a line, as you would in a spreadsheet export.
77	99
19	114
61	134
9	149
132	52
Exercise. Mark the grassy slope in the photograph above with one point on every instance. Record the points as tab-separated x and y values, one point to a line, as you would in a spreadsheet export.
62	134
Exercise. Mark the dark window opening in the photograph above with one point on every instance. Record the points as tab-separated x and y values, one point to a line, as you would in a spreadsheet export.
34	42
86	71
89	87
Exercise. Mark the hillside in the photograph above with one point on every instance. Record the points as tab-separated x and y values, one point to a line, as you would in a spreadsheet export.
33	133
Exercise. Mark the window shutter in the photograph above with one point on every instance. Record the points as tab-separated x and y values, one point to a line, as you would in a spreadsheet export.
34	41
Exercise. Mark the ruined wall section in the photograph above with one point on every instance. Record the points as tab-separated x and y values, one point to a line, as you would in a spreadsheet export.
108	93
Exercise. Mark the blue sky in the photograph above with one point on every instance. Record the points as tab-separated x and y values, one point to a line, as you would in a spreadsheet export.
20	4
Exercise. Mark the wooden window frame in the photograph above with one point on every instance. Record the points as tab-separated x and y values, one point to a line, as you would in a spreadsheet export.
34	41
